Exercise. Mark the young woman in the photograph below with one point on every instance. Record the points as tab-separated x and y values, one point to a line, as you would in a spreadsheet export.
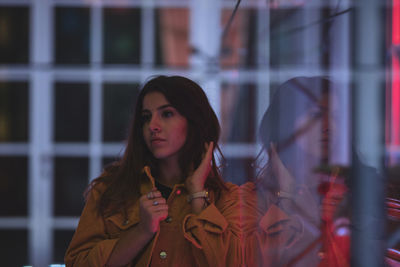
164	203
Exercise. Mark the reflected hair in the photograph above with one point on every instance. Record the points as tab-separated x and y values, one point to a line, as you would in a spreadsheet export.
291	100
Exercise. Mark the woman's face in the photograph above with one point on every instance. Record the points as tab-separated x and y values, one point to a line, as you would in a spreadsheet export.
164	128
318	125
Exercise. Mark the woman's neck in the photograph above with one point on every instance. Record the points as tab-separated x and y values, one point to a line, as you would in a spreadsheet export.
170	173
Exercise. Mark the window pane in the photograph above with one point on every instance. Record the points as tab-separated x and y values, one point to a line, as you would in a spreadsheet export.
13	186
72	36
172	37
238	171
14	106
118	100
121	41
291	29
71	112
239	45
14	35
238	113
14	247
62	238
71	180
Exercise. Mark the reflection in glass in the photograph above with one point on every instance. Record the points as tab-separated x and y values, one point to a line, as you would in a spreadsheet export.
14	247
239	47
238	113
14	35
121	30
72	35
238	170
118	103
14	106
298	209
172	37
61	241
290	42
70	181
71	118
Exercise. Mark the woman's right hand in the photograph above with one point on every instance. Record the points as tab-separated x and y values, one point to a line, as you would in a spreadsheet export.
153	209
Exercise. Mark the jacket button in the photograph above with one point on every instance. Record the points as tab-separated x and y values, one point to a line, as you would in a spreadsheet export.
168	219
125	222
163	254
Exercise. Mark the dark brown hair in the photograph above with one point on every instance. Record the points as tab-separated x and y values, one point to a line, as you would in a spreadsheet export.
123	177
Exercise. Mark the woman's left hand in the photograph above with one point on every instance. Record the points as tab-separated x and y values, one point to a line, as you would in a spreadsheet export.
195	182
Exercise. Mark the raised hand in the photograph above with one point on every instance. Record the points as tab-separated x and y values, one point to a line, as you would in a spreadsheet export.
153	209
195	182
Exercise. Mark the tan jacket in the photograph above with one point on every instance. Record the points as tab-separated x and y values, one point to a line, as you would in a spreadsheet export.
272	236
211	238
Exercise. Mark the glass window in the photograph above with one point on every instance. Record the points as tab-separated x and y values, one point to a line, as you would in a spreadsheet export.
299	36
13	186
240	43
238	170
71	112
62	238
14	247
14	107
118	101
172	37
72	35
121	31
238	113
14	35
71	180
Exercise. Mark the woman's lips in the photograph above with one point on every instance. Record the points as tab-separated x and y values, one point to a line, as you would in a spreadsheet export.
157	141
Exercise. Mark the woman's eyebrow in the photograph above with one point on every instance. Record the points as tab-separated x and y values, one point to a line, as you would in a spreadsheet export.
164	106
159	108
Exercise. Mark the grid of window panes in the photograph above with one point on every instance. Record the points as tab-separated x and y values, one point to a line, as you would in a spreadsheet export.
70	72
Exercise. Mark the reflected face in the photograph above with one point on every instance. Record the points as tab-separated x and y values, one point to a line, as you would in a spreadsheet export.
318	125
164	128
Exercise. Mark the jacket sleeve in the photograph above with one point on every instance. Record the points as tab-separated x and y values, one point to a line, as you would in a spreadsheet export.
215	233
90	245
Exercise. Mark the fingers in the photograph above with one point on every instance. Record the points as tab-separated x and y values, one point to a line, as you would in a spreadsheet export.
206	162
157	201
153	194
153	198
153	209
209	150
272	150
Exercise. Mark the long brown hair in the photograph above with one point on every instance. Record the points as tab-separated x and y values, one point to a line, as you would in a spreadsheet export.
123	177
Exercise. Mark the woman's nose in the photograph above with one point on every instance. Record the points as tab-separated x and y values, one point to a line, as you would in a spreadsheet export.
154	124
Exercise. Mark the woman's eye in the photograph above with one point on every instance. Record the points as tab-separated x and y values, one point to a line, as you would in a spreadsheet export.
167	113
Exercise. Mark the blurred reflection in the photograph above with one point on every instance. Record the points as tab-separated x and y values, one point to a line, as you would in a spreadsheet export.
172	37
296	212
